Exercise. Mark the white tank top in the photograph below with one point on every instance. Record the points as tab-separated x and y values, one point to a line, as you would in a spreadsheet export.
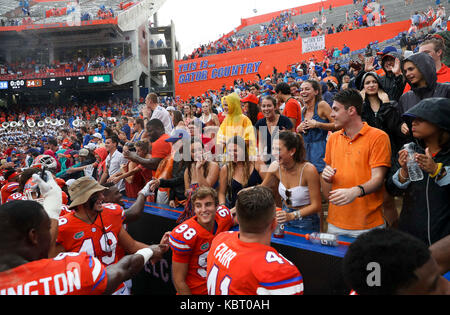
299	195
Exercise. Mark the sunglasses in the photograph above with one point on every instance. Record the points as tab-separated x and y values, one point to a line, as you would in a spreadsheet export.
288	198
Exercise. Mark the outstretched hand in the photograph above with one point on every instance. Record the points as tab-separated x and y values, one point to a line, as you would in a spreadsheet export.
160	249
52	194
397	70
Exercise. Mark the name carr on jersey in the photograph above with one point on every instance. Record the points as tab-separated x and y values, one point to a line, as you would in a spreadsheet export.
224	255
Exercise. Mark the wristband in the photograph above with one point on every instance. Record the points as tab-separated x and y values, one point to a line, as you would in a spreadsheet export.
363	192
438	170
401	176
147	253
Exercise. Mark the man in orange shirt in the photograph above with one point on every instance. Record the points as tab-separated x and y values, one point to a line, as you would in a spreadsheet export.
160	150
435	47
358	158
292	108
159	146
330	77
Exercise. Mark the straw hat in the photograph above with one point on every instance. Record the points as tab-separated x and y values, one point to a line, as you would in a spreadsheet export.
82	189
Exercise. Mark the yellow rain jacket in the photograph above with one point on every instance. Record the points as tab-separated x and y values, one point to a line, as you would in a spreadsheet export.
236	124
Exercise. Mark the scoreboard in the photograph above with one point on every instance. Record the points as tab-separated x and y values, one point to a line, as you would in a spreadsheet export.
34	83
56	83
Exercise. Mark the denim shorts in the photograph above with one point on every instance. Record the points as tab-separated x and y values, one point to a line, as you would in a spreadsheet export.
310	223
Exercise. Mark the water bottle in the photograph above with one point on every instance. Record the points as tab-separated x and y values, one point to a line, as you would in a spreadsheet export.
279	230
322	239
414	170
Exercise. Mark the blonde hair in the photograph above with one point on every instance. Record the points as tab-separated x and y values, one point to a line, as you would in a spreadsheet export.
237	140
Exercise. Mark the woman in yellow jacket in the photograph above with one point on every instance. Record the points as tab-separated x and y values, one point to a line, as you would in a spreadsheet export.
235	124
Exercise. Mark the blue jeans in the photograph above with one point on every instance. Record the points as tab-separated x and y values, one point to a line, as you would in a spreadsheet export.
310	223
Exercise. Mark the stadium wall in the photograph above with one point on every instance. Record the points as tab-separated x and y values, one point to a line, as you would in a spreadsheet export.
194	77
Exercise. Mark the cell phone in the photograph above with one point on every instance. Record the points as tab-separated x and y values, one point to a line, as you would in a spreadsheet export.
44	174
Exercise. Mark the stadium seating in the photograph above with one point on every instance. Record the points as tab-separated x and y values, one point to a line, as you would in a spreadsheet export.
395	11
8	6
10	9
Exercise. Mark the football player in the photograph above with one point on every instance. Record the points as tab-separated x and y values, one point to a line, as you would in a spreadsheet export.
95	227
24	265
244	263
190	241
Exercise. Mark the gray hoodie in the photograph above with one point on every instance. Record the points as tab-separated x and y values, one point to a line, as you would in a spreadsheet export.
427	67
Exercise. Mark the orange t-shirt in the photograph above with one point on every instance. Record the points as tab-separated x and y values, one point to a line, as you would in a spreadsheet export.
354	160
293	110
161	148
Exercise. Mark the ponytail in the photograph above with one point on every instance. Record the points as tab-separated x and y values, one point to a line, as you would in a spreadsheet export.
292	140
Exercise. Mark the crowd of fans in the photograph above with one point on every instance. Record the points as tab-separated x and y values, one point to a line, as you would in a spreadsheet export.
27	18
431	18
318	141
104	13
282	29
19	69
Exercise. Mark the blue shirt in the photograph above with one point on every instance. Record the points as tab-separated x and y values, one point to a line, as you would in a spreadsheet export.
87	139
127	131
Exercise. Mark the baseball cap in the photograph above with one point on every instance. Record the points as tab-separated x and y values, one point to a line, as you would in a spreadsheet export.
83	152
251	98
178	134
97	135
91	146
387	50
